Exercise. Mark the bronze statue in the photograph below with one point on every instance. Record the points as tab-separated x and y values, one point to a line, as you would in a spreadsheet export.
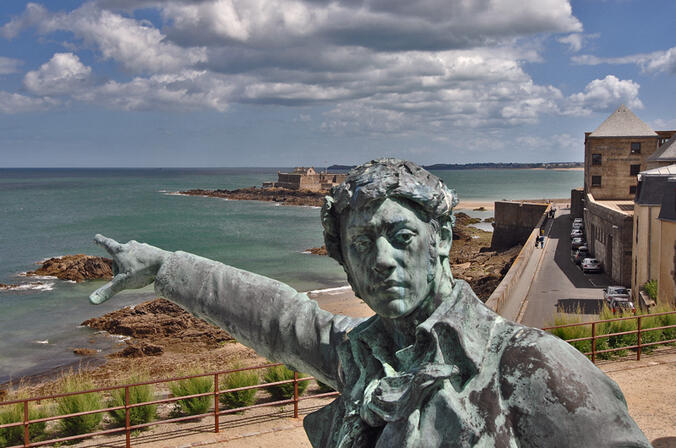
434	367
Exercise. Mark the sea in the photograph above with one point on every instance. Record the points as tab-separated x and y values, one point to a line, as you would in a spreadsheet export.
53	212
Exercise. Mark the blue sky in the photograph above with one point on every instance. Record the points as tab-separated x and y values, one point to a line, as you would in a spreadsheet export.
126	83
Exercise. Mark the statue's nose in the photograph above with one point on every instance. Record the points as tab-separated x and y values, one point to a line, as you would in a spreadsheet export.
384	261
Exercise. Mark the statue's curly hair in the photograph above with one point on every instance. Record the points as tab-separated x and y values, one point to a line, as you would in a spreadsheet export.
381	179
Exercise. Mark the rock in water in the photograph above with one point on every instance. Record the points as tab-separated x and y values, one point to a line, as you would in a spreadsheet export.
76	268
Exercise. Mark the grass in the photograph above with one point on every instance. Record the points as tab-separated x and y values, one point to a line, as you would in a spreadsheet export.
241	398
137	394
13	414
282	391
78	403
618	341
192	386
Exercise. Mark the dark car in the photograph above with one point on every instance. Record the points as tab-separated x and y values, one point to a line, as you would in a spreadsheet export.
616	292
580	254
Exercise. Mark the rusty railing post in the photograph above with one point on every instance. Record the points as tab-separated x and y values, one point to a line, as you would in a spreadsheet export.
295	394
594	342
638	339
26	441
126	417
216	422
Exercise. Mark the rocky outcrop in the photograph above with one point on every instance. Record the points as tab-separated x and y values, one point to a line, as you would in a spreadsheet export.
282	195
76	268
84	351
317	250
139	349
159	323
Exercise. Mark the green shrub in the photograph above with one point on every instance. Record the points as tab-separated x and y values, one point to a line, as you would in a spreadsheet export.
192	386
14	435
282	391
651	288
241	398
137	394
78	403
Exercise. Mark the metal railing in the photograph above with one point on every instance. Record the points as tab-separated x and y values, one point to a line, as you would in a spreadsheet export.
128	406
639	331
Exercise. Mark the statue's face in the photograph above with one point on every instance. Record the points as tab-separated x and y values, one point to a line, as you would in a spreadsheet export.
386	248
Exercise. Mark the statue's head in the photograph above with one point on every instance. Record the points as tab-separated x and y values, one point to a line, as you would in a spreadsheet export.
390	226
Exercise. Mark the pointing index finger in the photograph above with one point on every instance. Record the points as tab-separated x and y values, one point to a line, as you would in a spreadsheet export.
109	244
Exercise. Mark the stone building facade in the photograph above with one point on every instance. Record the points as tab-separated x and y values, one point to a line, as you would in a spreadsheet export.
615	153
303	178
654	234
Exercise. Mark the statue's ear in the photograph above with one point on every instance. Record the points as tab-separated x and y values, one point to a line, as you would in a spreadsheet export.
445	238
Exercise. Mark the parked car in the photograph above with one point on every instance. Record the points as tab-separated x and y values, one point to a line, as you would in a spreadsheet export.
580	220
591	265
575	233
577	242
616	292
622	306
577	225
580	254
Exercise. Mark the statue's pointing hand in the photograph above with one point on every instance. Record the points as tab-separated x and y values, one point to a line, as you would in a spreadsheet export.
134	265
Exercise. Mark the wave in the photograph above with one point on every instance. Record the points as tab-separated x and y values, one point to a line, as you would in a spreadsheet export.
38	277
46	341
32	286
331	291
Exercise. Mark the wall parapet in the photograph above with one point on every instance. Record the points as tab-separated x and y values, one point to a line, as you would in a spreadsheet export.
503	292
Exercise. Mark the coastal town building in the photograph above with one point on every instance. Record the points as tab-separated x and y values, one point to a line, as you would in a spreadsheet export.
306	178
615	153
654	235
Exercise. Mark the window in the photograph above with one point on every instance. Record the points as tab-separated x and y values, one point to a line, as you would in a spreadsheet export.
596	181
634	169
636	147
632	189
596	159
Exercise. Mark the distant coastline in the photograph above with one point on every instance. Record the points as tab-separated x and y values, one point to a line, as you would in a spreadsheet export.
488	165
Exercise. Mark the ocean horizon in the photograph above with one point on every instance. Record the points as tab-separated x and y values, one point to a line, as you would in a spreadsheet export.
50	212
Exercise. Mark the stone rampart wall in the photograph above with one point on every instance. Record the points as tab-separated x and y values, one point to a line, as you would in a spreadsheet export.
514	222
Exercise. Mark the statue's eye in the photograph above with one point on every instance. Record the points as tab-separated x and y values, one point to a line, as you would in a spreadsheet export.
403	237
361	243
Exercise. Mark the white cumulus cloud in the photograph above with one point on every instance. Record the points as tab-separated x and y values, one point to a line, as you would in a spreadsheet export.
605	94
63	74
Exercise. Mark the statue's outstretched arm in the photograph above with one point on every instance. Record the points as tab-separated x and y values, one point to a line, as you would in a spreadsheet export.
264	314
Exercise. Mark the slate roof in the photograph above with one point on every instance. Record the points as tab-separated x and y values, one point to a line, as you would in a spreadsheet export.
666	152
668	208
654	184
623	123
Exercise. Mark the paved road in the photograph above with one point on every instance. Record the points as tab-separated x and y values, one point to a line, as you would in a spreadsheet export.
559	284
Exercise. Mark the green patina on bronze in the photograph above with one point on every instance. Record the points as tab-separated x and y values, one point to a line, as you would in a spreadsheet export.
434	367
